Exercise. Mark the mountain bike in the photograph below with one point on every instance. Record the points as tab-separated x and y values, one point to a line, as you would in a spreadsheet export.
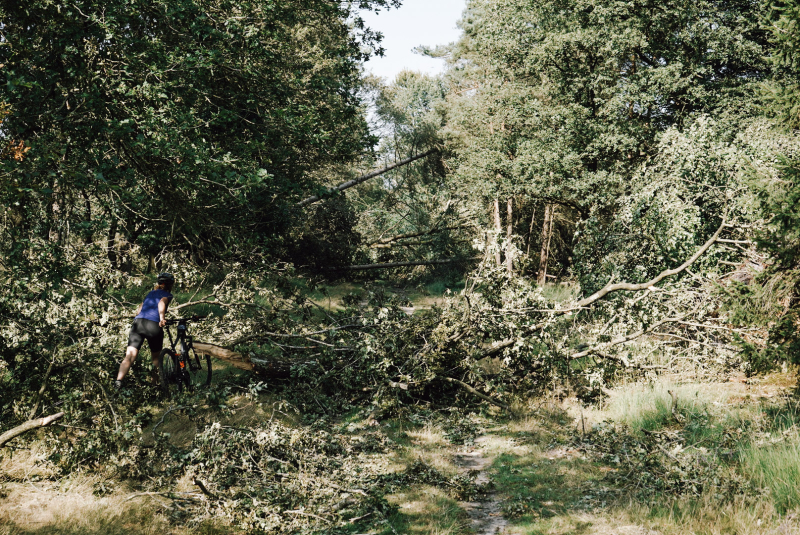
179	365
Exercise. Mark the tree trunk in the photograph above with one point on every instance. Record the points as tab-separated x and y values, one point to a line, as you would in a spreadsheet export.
268	368
111	245
547	231
87	233
530	231
509	233
498	227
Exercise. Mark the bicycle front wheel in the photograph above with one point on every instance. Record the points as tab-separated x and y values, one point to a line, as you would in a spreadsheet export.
200	368
168	373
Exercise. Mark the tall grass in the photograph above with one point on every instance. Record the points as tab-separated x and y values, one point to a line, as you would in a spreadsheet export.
775	467
649	406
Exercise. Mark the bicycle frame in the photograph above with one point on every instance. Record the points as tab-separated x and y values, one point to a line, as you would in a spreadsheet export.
181	357
182	336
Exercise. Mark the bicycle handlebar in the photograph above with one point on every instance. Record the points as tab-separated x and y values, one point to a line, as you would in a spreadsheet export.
178	321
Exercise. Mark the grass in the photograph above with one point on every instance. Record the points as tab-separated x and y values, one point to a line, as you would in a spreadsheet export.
427	510
776	468
71	507
424	509
545	482
550	487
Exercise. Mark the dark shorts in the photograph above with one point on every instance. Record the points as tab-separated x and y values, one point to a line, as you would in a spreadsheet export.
149	330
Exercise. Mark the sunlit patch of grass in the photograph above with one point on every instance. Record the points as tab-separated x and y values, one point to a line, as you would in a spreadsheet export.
559	292
649	406
427	510
71	507
540	421
429	444
492	445
428	436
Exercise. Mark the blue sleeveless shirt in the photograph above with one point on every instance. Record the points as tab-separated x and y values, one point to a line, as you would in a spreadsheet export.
150	305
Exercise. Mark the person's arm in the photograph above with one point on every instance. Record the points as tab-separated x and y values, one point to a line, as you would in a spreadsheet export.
138	310
163	303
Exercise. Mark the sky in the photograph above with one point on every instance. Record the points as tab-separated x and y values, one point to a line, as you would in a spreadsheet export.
417	22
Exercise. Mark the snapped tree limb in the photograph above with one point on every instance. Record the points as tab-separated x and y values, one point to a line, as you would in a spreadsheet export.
30	425
628	287
474	392
384	243
356	181
386	265
270	368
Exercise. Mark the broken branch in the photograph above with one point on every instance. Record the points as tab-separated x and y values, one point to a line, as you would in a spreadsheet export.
474	392
356	181
609	288
28	426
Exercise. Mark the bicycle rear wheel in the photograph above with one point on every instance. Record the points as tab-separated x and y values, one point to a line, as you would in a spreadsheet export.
200	368
168	373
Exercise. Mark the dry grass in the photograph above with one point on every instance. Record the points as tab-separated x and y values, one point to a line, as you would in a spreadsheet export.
24	464
530	474
710	518
635	403
429	445
70	507
584	524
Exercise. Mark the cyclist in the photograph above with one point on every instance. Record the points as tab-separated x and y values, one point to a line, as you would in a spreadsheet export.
148	324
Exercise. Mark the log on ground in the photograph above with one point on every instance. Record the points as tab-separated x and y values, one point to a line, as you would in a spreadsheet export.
274	368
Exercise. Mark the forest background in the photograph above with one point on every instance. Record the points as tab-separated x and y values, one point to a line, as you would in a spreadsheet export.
600	190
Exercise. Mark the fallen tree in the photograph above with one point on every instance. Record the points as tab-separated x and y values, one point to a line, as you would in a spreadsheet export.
387	265
268	368
389	242
356	181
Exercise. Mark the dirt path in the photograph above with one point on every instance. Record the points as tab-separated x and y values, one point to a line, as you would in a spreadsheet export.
486	515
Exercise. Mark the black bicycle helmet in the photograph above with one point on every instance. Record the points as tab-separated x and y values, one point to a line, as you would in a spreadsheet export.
166	278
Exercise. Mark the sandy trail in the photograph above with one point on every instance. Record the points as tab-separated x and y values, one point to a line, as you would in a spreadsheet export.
486	515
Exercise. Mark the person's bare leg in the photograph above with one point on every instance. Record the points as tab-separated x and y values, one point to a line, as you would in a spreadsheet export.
156	362
130	356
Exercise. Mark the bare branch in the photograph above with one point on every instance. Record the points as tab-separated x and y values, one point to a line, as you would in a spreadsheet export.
403	264
628	287
203	488
384	242
626	338
474	392
350	183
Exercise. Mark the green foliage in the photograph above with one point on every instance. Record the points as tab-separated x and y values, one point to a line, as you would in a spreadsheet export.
461	487
327	236
569	98
670	463
192	124
781	20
